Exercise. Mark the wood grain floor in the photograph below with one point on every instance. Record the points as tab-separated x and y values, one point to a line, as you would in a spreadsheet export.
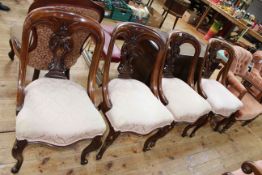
208	153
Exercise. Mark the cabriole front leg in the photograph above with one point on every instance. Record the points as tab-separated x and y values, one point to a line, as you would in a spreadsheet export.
17	153
94	145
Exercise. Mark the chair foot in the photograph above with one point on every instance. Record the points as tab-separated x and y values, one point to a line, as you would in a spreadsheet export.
17	153
184	134
11	54
94	145
151	141
220	124
110	138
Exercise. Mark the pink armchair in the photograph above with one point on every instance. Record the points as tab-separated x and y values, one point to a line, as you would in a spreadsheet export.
253	79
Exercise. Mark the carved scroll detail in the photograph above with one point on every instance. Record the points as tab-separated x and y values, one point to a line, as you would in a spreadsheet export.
60	44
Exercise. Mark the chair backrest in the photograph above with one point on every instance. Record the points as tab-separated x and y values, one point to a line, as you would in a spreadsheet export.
63	27
175	40
257	59
241	62
39	54
214	45
132	34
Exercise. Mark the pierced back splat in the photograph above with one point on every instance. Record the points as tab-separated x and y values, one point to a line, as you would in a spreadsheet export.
60	44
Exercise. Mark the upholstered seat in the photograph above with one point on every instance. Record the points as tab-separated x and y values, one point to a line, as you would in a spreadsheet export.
258	164
135	108
185	104
251	109
58	112
221	100
116	51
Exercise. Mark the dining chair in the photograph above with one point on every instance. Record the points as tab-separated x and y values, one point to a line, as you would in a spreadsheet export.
186	105
54	110
128	104
223	103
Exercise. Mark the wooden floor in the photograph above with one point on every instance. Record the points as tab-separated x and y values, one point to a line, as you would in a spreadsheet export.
208	153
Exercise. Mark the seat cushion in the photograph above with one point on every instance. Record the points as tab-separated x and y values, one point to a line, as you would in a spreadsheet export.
57	112
116	54
251	109
135	108
222	101
185	104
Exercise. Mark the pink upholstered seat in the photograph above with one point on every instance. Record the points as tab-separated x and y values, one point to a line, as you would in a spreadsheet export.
251	109
116	51
108	28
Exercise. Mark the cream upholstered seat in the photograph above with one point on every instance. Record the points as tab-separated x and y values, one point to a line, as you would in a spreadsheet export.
58	112
185	104
222	101
135	108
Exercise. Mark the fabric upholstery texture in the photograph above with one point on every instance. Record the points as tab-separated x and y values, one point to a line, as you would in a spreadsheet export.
41	56
240	63
57	112
234	83
184	103
221	100
240	172
135	108
251	109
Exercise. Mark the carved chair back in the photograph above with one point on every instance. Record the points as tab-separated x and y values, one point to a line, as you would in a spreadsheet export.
64	27
175	40
39	54
241	62
214	45
132	34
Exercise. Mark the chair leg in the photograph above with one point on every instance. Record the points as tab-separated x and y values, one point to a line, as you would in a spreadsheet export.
175	22
247	122
36	74
67	73
110	138
17	153
219	124
199	123
94	145
151	141
184	134
229	122
162	22
11	54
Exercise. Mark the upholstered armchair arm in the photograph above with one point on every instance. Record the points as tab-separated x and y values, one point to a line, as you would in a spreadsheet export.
249	167
254	79
233	82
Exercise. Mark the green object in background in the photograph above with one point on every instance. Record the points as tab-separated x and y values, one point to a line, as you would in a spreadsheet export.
216	26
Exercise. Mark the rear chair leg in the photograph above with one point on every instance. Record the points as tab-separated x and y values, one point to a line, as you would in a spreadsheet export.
17	153
248	121
199	123
151	141
230	121
36	74
219	124
110	138
94	145
11	54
